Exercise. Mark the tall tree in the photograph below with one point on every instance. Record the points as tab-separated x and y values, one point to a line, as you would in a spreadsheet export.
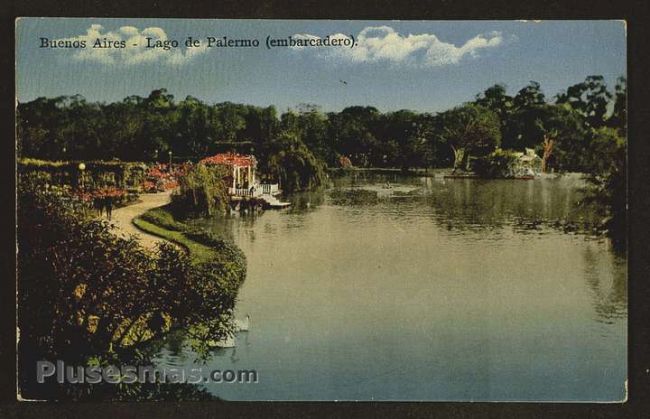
470	130
292	164
409	131
497	100
618	119
354	132
590	98
311	125
531	95
549	129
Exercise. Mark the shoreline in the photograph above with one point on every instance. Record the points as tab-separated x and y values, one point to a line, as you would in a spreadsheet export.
430	172
138	220
123	218
202	246
444	172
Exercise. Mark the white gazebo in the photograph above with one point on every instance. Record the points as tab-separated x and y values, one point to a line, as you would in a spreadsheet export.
243	176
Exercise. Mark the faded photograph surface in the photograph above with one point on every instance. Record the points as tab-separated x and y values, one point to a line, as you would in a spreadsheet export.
321	210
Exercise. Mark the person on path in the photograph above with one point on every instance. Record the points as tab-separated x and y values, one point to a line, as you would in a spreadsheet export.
109	206
98	204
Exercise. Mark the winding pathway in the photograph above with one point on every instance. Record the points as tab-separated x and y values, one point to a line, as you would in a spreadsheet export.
123	217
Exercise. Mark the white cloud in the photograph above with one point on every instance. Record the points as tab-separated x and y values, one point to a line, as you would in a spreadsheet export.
384	44
135	51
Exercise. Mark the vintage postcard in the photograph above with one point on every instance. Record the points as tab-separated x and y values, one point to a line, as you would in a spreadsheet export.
321	210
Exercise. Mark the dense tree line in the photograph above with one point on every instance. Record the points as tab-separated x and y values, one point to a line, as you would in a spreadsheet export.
562	130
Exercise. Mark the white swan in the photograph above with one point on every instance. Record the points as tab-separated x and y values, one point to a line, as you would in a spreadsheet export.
242	325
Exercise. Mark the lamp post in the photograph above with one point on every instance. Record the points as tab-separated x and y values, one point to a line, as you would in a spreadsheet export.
170	161
82	167
82	185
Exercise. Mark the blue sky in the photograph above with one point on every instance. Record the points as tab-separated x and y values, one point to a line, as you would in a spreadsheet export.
424	66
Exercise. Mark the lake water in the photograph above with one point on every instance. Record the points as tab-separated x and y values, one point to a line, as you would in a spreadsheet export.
434	289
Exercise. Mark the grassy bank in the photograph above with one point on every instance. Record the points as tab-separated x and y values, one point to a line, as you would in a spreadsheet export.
201	245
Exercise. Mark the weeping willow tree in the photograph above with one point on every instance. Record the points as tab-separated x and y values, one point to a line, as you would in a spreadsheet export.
292	164
202	190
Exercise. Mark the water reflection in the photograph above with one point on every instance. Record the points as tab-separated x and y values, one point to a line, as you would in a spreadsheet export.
307	201
609	293
423	288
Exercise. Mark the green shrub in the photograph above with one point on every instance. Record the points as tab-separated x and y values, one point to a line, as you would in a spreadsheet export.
499	163
162	218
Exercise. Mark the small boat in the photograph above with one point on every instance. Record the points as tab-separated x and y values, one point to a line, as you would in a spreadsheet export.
273	202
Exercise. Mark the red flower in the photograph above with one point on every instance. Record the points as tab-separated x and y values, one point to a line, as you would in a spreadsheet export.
231	159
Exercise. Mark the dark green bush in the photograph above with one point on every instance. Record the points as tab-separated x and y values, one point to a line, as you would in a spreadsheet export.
497	164
87	296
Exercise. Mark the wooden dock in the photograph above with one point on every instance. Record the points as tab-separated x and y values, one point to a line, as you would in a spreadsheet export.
273	202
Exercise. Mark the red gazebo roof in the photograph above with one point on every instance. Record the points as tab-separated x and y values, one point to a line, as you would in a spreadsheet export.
231	159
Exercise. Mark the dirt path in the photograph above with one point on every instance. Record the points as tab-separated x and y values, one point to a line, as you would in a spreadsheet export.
123	217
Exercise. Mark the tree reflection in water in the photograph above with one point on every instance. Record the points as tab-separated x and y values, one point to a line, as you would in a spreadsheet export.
609	294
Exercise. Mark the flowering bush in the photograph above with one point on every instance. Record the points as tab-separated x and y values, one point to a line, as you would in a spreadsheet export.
110	191
345	162
160	178
149	186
